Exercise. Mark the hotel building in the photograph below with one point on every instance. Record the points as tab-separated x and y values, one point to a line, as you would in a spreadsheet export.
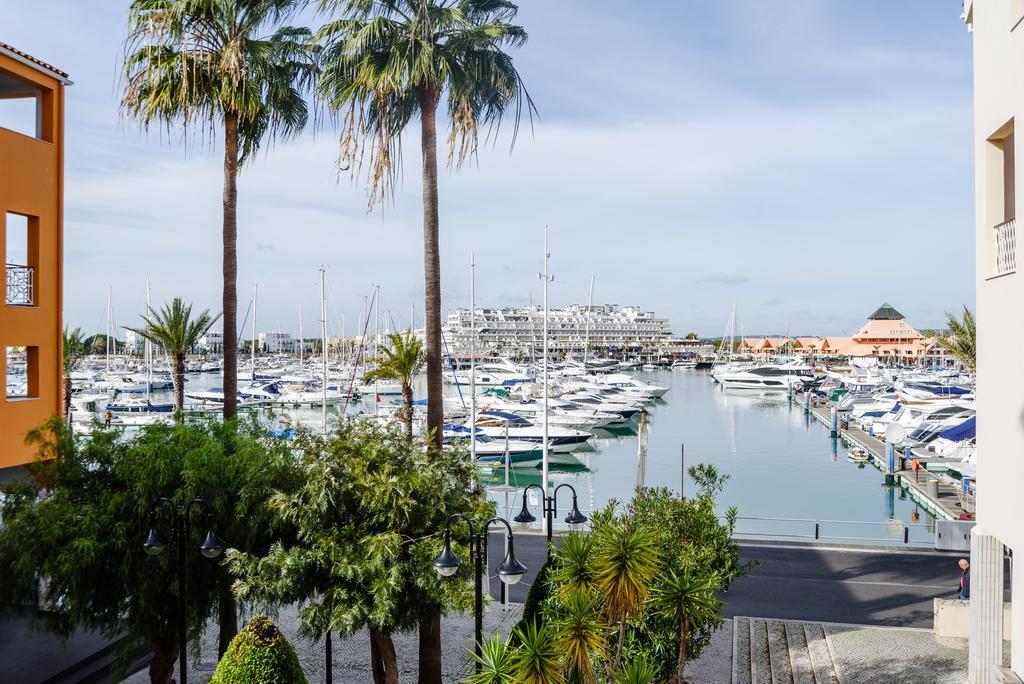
998	28
517	332
31	239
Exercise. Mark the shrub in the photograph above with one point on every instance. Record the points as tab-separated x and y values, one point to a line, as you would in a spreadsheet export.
259	654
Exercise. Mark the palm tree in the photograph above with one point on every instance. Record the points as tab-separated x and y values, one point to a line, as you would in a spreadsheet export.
688	598
174	329
72	350
220	61
626	561
389	61
386	62
536	660
962	338
401	362
580	634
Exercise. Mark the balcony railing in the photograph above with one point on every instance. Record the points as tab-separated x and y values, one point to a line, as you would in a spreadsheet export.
1006	247
20	285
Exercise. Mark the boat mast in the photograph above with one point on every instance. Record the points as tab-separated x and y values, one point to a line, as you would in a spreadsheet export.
544	443
323	344
149	351
107	345
300	334
376	345
472	357
590	305
255	292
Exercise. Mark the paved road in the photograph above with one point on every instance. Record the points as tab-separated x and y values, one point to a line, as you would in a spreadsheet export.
857	586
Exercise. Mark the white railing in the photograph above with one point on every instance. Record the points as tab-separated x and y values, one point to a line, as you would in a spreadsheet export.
20	285
1006	247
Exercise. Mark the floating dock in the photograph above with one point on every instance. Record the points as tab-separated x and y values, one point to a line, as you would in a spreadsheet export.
944	501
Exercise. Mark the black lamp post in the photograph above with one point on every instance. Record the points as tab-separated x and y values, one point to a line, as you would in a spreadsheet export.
211	547
549	506
448	563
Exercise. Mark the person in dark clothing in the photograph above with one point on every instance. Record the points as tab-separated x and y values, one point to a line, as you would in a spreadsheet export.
965	580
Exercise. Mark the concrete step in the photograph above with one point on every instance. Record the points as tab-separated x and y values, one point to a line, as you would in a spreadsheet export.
782	652
741	672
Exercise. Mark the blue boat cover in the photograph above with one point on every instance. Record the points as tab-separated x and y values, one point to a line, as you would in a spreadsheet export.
965	430
504	415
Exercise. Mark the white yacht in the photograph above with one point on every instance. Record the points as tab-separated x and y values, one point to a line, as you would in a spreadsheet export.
766	377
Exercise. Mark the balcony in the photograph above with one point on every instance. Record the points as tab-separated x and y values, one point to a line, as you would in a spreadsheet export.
1005	235
20	285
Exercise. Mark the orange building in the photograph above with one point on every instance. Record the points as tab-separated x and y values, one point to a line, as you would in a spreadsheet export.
31	239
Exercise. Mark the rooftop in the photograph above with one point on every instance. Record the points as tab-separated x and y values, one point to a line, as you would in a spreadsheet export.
886	313
33	62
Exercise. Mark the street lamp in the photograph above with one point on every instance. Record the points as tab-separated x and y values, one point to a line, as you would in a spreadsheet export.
447	563
575	518
211	547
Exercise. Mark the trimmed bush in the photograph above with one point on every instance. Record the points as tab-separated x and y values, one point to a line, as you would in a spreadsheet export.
259	654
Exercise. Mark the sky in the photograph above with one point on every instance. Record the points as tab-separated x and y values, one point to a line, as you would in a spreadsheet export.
805	159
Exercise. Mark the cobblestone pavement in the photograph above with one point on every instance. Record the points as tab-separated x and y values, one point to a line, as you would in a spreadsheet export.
898	656
351	657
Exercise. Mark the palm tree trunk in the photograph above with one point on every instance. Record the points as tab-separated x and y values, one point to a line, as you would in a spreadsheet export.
67	399
428	98
430	632
618	649
230	268
407	407
179	386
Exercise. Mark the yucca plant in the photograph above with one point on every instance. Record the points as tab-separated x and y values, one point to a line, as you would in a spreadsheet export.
496	662
626	561
536	659
175	329
580	634
639	671
689	598
573	567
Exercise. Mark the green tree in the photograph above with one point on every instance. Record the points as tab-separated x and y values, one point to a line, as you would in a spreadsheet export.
223	62
72	351
175	329
403	359
368	520
961	338
389	61
259	654
495	661
536	659
691	336
688	597
85	535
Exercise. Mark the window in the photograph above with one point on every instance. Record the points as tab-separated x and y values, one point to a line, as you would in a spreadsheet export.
20	235
21	381
20	109
1000	201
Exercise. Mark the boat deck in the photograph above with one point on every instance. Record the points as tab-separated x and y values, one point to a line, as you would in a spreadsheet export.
945	503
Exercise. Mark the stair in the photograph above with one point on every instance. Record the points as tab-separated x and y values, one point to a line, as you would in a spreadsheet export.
782	652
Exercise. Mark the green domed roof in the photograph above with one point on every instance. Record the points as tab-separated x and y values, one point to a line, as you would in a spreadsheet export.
886	313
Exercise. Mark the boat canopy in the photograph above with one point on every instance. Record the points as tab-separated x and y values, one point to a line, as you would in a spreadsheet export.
512	418
965	430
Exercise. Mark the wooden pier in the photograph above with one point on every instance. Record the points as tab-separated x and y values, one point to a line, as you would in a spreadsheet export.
945	503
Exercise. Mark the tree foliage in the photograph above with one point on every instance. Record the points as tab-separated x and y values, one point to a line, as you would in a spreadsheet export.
259	654
81	524
403	359
960	339
368	520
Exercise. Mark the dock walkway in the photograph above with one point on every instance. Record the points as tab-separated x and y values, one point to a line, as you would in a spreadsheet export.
943	501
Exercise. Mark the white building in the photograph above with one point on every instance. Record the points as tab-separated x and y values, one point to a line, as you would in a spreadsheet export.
276	342
608	330
212	341
134	343
998	28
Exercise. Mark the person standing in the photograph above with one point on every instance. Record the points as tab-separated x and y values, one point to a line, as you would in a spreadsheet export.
965	580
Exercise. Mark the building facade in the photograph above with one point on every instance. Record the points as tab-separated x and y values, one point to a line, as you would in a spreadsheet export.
276	343
998	37
31	238
517	332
